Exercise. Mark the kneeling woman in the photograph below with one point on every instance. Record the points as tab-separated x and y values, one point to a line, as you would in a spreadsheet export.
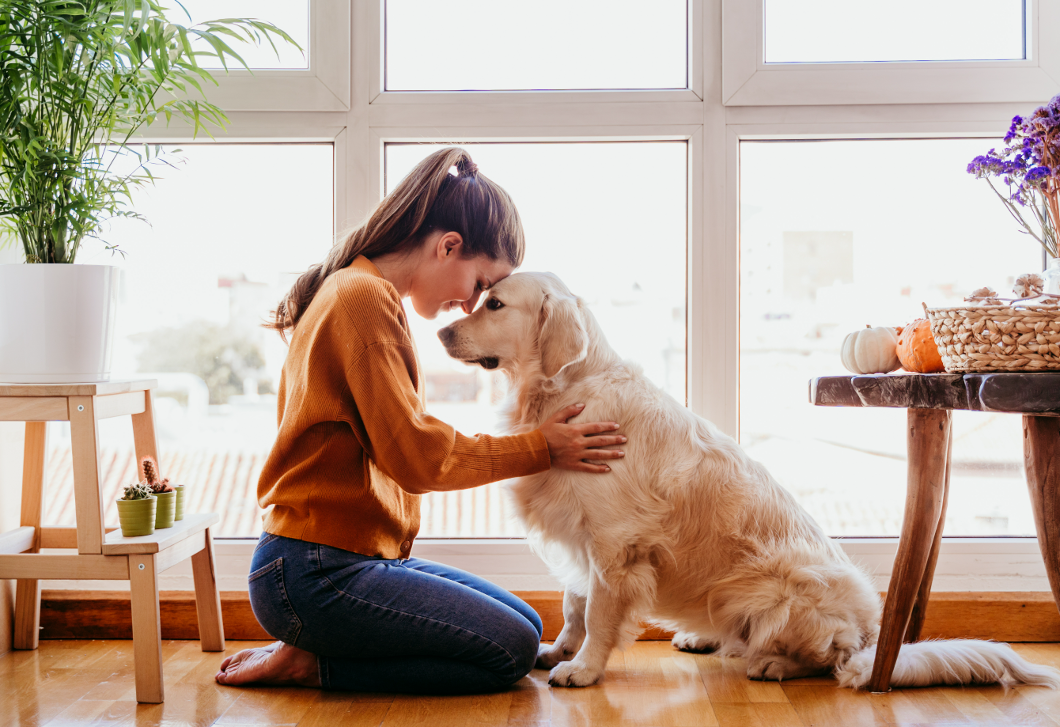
332	576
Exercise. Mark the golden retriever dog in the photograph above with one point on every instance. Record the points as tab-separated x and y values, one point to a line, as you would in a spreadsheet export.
686	531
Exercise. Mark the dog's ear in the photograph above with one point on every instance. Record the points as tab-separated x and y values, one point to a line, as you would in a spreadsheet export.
563	339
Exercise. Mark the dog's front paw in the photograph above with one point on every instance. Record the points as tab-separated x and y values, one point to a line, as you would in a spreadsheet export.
686	641
548	655
769	669
573	674
776	667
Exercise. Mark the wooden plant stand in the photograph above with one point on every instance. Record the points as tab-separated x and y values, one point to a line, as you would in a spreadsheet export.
930	400
100	555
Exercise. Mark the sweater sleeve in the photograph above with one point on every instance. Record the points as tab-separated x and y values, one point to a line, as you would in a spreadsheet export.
418	451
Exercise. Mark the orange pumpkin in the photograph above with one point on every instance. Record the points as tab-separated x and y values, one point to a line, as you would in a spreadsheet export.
917	350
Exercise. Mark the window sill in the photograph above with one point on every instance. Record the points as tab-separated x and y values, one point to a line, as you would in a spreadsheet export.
965	564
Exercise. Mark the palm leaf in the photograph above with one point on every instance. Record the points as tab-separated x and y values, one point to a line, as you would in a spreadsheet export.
77	79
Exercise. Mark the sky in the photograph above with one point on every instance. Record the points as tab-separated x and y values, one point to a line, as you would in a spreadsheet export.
840	30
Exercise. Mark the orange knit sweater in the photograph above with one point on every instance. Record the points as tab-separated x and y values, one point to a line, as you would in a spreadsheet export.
355	447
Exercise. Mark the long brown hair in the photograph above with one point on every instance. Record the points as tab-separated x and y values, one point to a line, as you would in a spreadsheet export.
430	198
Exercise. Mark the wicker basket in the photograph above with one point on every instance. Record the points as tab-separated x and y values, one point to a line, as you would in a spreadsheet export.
1021	337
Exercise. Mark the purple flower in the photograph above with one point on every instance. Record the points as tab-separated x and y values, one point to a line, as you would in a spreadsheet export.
1029	166
1036	175
1016	121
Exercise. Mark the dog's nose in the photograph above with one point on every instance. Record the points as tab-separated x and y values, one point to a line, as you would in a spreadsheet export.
446	335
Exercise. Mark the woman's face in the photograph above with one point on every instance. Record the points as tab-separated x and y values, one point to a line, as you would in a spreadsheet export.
446	280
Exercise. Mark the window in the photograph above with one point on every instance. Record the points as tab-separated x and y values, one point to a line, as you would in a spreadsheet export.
230	228
609	220
356	93
820	258
290	15
548	44
839	31
802	53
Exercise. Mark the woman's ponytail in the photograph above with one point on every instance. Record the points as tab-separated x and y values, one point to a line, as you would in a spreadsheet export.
429	198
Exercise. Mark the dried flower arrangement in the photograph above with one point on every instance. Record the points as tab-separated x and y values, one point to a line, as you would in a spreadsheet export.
1029	165
1029	286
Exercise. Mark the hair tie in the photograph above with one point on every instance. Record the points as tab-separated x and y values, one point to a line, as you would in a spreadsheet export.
468	168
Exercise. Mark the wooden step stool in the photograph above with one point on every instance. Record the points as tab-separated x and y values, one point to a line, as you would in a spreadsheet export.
101	555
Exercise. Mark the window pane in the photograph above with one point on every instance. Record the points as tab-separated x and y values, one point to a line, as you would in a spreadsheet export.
230	230
464	45
291	16
609	220
838	31
821	257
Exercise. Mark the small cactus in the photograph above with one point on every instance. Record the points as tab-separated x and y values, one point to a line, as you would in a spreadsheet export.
151	475
139	491
149	470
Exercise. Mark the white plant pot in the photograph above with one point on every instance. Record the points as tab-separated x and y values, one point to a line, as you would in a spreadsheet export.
57	322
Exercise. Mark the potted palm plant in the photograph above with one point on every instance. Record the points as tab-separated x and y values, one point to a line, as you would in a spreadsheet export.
78	79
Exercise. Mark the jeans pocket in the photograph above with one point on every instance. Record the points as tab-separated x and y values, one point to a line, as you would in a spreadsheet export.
271	606
266	538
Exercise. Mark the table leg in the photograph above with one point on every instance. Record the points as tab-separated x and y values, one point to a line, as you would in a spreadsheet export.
1041	459
146	628
27	591
88	500
916	620
207	598
928	437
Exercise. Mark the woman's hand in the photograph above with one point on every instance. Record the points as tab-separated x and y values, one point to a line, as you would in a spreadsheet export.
569	445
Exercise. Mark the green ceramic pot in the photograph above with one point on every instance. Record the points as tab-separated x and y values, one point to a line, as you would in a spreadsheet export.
167	508
137	517
180	502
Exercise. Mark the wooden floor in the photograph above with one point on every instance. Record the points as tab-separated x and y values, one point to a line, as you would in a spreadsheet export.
91	682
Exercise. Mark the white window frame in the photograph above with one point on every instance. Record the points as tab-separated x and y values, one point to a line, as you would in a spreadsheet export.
713	122
747	80
375	18
324	86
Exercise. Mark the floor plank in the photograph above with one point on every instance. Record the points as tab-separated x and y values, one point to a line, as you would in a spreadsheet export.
824	706
76	683
929	705
480	709
531	703
345	710
727	683
757	714
1016	707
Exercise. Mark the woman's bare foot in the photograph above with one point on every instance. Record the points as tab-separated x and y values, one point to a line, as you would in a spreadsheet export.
277	663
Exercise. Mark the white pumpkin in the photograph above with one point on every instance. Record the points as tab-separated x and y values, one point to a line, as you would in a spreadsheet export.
871	351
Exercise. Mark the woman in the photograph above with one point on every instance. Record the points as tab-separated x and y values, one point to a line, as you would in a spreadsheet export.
332	577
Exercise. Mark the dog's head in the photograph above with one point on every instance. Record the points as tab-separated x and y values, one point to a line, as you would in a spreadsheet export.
528	320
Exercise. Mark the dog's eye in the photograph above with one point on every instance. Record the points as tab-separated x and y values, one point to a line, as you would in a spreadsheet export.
494	304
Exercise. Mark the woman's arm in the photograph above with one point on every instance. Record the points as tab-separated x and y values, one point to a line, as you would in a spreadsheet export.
424	454
418	451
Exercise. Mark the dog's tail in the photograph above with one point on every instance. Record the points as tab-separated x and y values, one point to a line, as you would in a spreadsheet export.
960	661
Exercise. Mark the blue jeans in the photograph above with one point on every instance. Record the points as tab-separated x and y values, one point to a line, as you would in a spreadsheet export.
380	625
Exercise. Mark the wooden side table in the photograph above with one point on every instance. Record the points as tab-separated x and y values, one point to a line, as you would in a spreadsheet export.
100	555
930	399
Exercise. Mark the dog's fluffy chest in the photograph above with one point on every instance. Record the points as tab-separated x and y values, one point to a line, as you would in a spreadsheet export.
550	504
